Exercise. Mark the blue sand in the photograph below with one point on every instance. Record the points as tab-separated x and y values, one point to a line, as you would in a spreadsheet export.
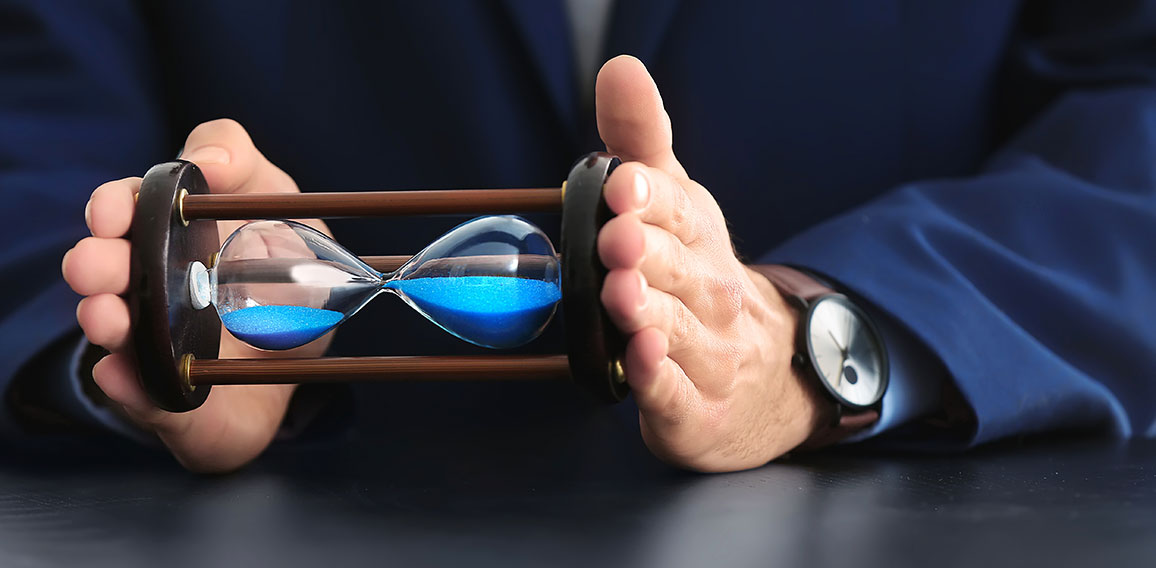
280	327
492	311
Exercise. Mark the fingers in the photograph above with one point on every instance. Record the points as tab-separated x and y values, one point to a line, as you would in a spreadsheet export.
683	208
666	263
117	377
225	153
105	320
97	266
666	398
230	162
622	242
633	306
230	429
109	210
631	118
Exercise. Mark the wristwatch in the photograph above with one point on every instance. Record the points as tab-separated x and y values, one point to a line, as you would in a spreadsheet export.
837	346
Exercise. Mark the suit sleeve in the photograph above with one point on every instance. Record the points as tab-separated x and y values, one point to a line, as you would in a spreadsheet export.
1032	284
77	109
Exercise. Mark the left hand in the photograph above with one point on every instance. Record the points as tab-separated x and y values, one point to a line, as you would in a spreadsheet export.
709	340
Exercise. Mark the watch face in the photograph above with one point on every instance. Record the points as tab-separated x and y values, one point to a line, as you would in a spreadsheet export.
846	350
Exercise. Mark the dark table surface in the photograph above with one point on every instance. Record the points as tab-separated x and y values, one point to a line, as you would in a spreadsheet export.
513	475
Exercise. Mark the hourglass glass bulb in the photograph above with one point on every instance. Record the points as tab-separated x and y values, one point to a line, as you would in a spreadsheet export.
281	284
492	281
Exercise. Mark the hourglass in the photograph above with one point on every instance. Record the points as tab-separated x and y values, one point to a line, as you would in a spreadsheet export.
494	281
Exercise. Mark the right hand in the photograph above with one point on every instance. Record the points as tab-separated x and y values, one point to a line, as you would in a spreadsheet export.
236	423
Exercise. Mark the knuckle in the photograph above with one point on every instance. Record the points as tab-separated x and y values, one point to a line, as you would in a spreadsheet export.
729	294
731	355
679	266
681	213
712	236
678	220
115	186
220	126
215	131
681	323
728	360
723	299
228	123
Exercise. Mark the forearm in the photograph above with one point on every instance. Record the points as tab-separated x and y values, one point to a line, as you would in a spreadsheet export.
1029	282
54	149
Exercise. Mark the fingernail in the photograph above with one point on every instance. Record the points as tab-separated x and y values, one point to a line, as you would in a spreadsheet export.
88	213
64	261
641	190
208	155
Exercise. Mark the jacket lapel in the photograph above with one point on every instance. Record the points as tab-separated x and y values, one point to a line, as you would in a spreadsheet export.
638	27
542	27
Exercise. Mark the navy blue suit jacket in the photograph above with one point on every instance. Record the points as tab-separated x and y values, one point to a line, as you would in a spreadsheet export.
982	173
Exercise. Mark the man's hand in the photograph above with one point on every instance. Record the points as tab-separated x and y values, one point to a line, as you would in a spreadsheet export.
709	340
236	423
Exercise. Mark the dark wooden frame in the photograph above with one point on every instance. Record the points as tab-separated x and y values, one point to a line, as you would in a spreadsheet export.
176	346
371	203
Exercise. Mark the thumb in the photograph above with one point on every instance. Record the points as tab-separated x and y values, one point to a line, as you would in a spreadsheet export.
631	119
231	163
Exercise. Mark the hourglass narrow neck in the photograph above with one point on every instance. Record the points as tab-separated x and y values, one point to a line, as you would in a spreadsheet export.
384	278
490	300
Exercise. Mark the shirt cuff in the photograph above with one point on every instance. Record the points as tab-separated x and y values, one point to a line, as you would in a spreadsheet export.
915	385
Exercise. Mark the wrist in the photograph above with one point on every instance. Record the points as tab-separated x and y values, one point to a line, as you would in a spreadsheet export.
809	410
831	420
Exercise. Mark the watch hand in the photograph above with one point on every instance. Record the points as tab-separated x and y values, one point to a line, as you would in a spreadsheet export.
842	359
847	328
842	349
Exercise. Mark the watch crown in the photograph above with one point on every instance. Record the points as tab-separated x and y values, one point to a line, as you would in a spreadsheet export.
798	361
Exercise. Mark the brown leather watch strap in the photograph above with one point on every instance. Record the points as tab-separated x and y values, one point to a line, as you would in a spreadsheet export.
849	423
792	282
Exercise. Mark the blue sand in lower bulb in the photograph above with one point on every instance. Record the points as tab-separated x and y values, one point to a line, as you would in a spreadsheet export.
492	311
280	327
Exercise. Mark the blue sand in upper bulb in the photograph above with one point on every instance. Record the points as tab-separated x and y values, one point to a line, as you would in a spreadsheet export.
493	311
280	327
